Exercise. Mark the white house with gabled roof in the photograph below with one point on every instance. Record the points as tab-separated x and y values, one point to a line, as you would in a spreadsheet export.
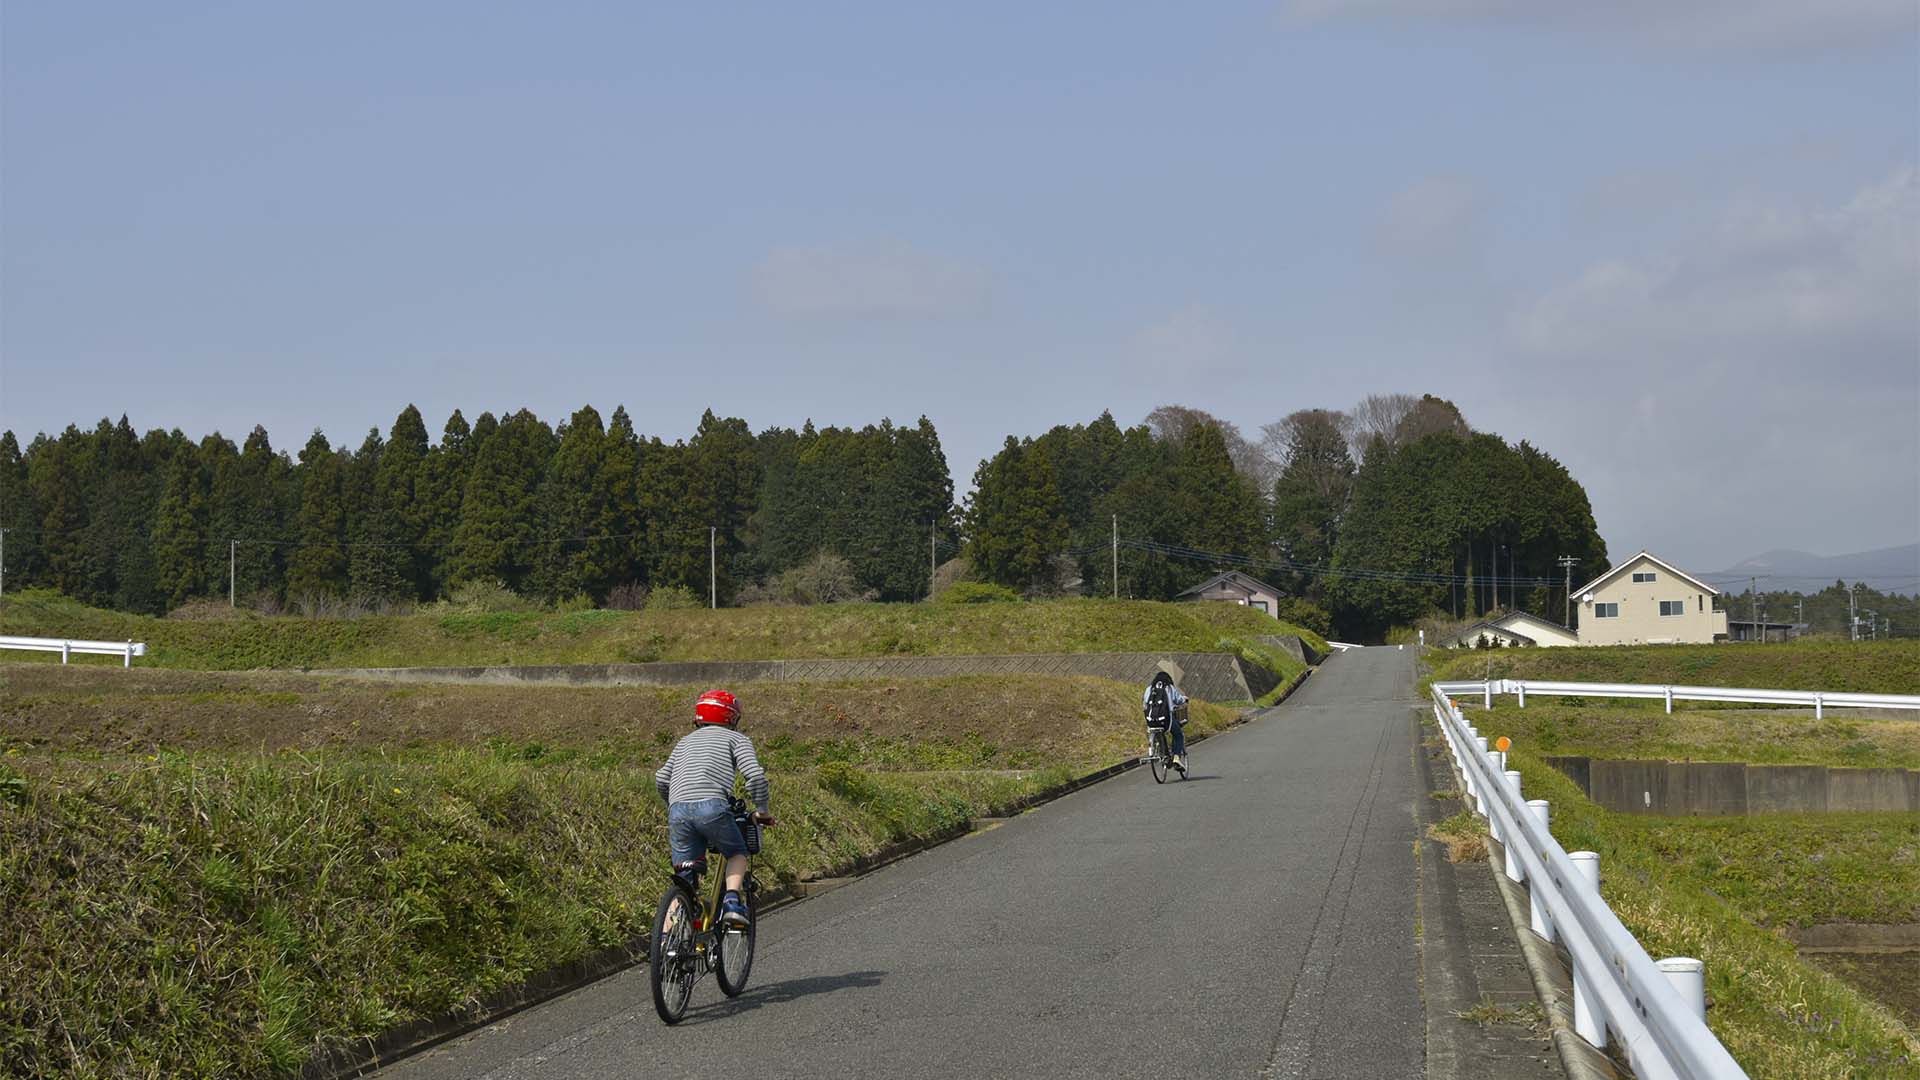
1648	601
1514	629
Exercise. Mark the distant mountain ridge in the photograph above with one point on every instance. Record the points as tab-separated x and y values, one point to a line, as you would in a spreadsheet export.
1891	570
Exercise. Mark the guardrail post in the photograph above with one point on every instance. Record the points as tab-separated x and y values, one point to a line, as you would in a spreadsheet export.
1515	872
1689	976
1586	1022
129	658
1520	689
1488	693
1536	911
1819	706
66	650
1669	691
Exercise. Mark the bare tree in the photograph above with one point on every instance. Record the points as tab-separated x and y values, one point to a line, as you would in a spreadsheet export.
1172	423
1377	419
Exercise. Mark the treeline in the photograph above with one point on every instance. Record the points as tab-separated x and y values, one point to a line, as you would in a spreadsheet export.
1831	610
1369	517
588	509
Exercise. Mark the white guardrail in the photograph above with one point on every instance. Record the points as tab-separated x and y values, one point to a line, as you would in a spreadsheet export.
1656	1011
66	647
1818	700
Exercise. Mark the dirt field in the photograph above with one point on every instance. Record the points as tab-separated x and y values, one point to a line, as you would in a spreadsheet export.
114	711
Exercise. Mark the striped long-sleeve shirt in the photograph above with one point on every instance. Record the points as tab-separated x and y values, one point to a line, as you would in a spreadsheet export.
703	764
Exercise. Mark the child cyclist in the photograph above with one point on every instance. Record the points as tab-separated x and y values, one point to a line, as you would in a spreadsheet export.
697	781
1165	706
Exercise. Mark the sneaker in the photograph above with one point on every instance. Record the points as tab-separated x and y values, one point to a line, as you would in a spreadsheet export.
733	911
1181	764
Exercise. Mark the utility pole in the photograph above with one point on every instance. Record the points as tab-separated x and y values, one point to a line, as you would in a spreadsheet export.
233	547
1753	607
1116	556
1566	564
713	567
1853	614
933	558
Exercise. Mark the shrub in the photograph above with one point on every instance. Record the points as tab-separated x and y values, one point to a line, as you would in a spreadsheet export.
485	597
672	598
826	578
1305	614
627	596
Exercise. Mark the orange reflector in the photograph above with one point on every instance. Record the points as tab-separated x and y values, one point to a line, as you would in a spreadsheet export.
1502	743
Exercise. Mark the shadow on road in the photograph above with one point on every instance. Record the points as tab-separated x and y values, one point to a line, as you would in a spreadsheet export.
1198	779
782	992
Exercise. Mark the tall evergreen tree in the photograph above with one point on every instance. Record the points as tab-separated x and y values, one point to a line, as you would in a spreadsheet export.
401	484
441	492
318	565
1018	522
499	517
20	549
180	533
379	559
577	555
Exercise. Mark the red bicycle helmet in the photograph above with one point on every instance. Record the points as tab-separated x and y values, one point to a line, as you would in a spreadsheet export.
717	707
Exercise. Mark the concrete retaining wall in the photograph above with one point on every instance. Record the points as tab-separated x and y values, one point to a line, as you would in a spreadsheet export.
1207	676
1694	788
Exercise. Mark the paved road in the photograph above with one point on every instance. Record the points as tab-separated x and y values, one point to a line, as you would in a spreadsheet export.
1256	920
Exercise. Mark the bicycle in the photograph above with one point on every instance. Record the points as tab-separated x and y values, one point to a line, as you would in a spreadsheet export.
1159	757
688	939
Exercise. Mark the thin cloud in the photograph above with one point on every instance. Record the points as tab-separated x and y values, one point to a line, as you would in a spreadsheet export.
1437	217
873	280
1759	25
1768	280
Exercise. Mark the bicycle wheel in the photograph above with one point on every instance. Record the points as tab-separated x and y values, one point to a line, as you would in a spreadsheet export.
671	966
734	949
1157	757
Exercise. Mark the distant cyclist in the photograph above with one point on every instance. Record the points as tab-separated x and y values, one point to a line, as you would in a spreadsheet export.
1165	706
697	782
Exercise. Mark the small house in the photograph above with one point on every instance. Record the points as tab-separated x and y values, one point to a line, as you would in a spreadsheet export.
1234	587
1514	629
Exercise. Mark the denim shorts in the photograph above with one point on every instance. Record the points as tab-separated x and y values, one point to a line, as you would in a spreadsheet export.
694	828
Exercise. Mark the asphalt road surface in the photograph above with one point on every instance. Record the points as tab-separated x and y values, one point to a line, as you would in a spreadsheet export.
1254	920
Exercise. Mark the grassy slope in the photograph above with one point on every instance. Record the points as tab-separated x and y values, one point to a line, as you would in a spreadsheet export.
1872	667
1646	730
1713	889
175	906
759	633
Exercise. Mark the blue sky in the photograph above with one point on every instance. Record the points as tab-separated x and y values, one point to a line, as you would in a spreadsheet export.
1675	244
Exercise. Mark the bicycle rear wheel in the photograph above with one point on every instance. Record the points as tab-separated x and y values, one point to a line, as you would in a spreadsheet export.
671	964
1157	756
733	961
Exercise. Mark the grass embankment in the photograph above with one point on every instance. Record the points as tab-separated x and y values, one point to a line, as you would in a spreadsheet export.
1644	730
593	637
174	904
1720	889
1866	667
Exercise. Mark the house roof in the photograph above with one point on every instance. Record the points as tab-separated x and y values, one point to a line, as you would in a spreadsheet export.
1494	625
1657	561
1236	578
1528	616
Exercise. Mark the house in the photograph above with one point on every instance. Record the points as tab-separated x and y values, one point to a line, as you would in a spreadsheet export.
1515	629
1235	587
1648	601
1748	630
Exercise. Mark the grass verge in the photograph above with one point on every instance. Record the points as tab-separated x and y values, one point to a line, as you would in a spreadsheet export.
175	903
1714	889
1866	667
1644	730
582	637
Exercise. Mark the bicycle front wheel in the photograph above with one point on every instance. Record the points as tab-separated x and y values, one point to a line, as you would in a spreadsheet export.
671	963
734	949
1157	757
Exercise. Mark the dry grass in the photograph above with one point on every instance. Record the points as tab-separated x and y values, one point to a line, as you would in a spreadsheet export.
1464	838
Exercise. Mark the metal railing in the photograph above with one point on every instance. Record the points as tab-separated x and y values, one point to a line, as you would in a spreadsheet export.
1656	1012
1818	700
66	647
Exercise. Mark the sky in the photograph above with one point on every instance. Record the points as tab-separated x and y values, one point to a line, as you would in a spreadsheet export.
1674	243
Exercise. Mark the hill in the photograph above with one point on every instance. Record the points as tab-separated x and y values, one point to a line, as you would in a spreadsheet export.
452	637
1891	570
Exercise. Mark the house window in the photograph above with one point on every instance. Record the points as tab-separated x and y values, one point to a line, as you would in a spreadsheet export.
1262	605
1673	607
1606	611
1642	576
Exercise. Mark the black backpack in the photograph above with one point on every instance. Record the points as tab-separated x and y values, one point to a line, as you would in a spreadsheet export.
1159	709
